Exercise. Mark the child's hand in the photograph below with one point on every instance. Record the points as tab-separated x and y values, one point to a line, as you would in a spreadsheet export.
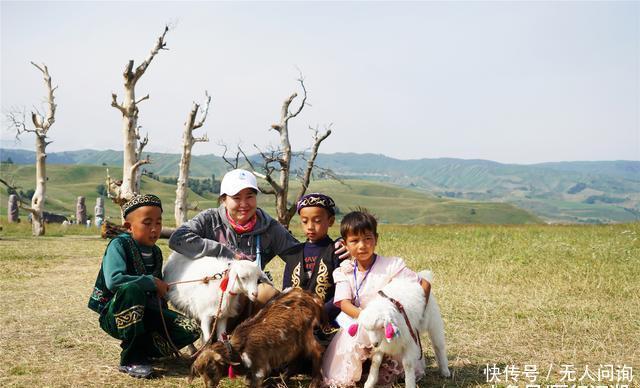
341	249
162	287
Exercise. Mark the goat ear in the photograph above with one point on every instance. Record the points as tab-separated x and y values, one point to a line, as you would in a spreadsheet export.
217	357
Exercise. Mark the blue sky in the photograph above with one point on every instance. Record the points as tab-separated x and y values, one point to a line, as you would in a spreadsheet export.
514	82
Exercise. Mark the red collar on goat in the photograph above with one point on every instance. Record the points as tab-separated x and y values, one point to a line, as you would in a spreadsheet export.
227	344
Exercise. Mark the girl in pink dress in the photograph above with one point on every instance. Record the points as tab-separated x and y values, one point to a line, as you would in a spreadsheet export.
357	282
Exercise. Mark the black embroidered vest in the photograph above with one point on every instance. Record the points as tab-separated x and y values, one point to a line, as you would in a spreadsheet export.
321	281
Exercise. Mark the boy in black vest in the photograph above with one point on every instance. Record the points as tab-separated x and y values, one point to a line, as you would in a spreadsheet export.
310	265
127	289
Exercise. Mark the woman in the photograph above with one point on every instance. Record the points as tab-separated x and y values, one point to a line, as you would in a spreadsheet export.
236	229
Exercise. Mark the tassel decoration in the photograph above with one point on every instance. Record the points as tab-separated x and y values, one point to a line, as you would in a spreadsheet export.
224	283
389	331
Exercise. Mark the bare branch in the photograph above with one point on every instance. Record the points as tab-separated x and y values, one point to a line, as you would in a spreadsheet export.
113	187
142	99
114	103
224	157
267	190
160	45
45	124
128	72
37	120
141	142
268	175
247	159
205	111
38	67
19	124
203	139
304	98
138	164
318	139
267	158
22	204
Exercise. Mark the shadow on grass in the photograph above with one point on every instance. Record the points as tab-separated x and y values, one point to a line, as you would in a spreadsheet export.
173	367
467	375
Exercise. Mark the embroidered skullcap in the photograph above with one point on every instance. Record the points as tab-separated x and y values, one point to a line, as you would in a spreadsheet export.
140	200
317	200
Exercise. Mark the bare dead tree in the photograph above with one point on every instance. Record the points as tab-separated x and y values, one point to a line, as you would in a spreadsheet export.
188	140
276	163
133	142
141	143
41	126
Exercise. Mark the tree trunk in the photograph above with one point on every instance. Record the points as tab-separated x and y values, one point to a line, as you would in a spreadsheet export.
37	201
129	159
181	207
180	211
132	144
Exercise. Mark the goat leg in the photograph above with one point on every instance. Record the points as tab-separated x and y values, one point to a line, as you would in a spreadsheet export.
257	378
440	350
436	334
376	360
221	327
205	326
408	364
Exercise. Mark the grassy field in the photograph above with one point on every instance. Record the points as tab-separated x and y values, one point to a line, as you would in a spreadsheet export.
392	204
510	296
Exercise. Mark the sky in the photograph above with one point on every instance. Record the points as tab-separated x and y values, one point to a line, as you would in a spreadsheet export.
513	82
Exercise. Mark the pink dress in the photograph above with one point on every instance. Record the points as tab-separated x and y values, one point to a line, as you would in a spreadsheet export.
342	361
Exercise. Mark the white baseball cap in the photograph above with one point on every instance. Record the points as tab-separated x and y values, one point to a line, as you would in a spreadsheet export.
236	180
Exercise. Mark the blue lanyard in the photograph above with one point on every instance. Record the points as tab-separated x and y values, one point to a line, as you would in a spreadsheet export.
258	256
355	279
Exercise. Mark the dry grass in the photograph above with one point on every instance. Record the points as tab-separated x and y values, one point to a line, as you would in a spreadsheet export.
543	295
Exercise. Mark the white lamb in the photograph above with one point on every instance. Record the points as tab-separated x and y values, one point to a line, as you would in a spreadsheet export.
387	330
200	300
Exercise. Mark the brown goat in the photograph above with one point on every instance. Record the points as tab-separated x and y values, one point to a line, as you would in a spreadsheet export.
277	335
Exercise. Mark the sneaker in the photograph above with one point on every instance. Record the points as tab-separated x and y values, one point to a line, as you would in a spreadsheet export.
141	371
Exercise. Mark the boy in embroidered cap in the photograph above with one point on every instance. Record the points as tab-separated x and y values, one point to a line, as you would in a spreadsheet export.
310	265
127	289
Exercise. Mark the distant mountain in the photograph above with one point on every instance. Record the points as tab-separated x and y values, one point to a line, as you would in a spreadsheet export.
606	191
392	204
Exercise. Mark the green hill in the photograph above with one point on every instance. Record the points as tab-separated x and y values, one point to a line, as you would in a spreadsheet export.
66	183
397	205
392	204
606	191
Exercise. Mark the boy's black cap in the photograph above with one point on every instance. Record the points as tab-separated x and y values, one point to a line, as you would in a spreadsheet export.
140	200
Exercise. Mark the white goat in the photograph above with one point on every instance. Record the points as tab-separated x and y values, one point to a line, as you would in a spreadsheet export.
200	300
388	332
